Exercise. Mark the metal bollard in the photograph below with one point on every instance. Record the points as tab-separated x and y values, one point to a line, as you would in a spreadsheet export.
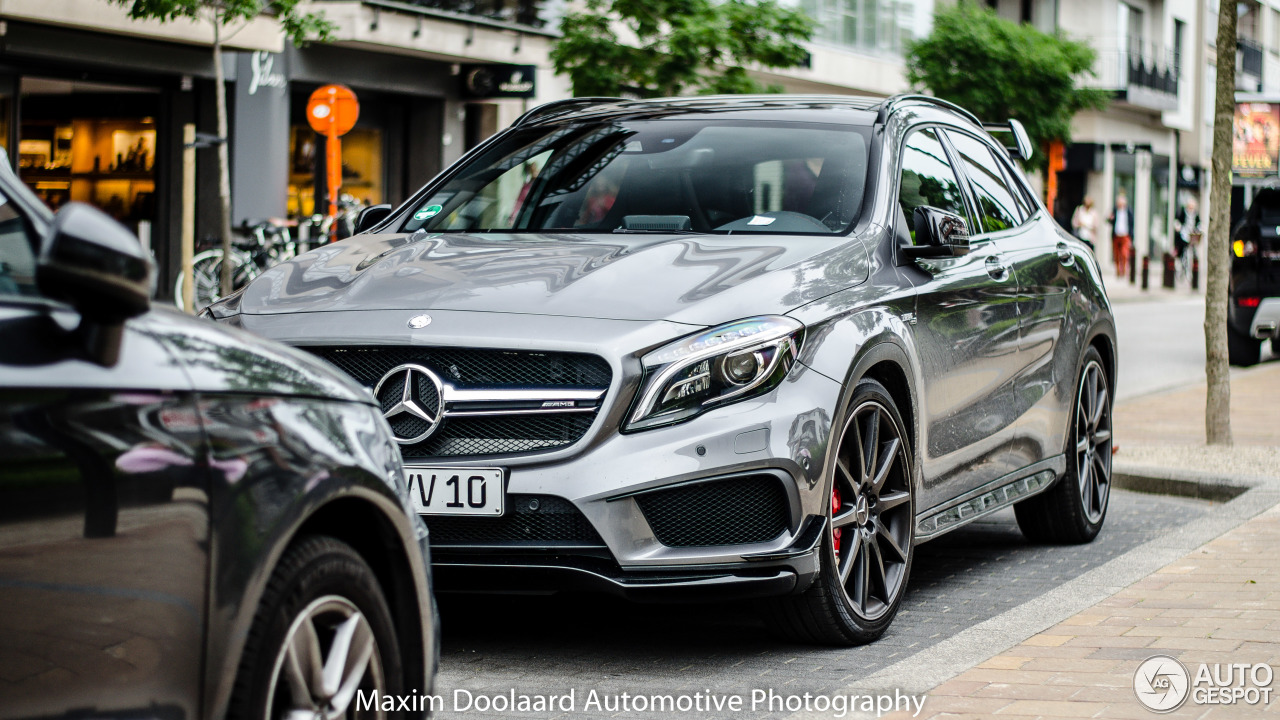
1133	270
1169	271
1146	272
1195	273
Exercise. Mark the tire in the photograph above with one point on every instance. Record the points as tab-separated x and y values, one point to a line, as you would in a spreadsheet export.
1242	350
206	269
1275	347
1073	510
867	548
321	591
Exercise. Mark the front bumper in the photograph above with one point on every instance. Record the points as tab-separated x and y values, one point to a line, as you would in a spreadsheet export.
604	475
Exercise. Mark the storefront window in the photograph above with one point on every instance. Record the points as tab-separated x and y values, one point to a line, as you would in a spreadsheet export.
76	143
362	174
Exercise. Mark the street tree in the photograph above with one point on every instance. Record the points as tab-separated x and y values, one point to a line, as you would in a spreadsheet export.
1217	408
659	48
226	18
999	70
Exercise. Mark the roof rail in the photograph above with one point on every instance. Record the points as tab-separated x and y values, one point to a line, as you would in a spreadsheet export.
557	106
889	102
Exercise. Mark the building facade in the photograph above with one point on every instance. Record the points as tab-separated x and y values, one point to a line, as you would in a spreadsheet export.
93	105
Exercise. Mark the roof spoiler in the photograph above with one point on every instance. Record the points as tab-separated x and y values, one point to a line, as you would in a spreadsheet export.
1021	146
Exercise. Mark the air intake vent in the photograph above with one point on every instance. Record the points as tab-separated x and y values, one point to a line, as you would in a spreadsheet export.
733	511
530	521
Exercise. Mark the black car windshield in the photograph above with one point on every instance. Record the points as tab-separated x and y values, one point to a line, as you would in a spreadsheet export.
701	176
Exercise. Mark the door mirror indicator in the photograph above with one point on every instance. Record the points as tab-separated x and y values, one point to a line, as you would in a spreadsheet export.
938	234
371	216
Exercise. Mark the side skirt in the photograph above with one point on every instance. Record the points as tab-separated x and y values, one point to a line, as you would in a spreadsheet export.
1001	493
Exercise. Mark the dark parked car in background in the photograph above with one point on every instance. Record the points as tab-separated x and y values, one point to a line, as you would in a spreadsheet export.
194	523
1253	311
721	348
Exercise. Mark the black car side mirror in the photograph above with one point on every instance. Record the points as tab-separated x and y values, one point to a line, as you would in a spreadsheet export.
371	216
97	266
939	234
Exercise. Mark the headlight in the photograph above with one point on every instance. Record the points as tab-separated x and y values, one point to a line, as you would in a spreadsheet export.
728	363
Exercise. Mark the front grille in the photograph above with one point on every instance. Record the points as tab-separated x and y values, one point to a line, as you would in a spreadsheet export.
733	511
530	520
501	435
480	369
475	368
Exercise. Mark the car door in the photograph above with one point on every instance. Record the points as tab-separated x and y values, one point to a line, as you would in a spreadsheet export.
1044	265
966	334
103	528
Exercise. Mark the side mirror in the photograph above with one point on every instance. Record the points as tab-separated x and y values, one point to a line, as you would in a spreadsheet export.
939	234
371	216
96	265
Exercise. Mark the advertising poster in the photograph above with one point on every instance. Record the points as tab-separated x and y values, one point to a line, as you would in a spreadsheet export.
1255	143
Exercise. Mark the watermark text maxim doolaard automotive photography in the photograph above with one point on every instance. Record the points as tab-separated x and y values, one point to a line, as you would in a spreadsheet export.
1163	684
594	701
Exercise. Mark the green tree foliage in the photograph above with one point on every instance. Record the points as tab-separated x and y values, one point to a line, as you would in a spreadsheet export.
226	18
998	70
658	48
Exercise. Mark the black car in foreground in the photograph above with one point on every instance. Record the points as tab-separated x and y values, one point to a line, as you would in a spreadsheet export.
193	523
1253	313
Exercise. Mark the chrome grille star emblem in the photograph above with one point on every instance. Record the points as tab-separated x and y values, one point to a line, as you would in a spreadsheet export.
412	410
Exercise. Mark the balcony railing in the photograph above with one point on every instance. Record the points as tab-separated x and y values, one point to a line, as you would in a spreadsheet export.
1142	74
1249	64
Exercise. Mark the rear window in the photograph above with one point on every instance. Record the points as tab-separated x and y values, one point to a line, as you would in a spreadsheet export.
658	176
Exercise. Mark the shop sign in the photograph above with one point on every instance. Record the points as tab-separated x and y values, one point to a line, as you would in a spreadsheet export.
262	72
1255	140
499	81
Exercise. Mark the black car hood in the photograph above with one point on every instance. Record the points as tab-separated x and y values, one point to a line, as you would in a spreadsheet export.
697	279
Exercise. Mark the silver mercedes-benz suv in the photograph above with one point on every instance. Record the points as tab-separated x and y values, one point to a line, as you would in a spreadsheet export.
721	347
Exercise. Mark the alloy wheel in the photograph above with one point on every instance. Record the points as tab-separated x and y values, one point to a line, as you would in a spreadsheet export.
329	653
1093	441
871	511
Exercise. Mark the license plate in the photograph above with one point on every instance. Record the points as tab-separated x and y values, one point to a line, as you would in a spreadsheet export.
456	491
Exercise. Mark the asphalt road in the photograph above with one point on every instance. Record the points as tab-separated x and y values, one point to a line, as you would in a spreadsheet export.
537	645
1161	345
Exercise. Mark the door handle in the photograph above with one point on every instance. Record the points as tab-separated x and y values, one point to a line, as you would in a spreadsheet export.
997	269
1064	254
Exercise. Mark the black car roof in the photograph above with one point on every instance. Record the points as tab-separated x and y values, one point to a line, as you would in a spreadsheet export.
871	109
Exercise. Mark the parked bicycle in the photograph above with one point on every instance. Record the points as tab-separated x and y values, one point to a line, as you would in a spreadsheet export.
255	248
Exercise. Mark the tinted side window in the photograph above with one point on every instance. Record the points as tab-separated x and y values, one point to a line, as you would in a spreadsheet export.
927	178
996	205
17	253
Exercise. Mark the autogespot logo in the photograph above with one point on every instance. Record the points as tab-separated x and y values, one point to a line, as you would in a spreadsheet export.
1161	683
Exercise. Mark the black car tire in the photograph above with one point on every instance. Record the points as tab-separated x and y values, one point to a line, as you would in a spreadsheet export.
1275	346
1073	510
873	524
1242	350
322	584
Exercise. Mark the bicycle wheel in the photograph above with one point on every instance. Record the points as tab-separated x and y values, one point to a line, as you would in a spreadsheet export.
206	273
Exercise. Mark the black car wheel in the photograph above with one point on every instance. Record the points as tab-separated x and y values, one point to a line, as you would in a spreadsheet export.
866	556
1072	511
1242	350
322	633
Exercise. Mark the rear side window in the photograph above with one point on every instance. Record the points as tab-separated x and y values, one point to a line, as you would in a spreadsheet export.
996	204
927	178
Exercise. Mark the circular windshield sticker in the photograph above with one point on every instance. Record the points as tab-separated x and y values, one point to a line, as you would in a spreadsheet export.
427	212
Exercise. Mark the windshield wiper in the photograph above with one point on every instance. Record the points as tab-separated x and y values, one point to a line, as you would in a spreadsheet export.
655	231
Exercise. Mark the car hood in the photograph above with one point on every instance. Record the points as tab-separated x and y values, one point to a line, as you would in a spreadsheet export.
696	279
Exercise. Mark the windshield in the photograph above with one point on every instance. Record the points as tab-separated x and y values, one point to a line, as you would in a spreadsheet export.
658	176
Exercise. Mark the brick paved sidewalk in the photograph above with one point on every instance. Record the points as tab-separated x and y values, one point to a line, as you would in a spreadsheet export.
1176	417
1219	604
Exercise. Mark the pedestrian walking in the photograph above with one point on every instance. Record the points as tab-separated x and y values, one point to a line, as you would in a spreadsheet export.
1121	234
1084	222
1186	225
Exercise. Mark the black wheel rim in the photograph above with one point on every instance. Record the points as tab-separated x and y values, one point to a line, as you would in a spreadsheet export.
871	511
1093	442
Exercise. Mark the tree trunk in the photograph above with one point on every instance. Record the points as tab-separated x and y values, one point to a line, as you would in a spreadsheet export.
1217	411
224	163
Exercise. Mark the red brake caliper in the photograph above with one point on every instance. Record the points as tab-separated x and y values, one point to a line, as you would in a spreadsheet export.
835	510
